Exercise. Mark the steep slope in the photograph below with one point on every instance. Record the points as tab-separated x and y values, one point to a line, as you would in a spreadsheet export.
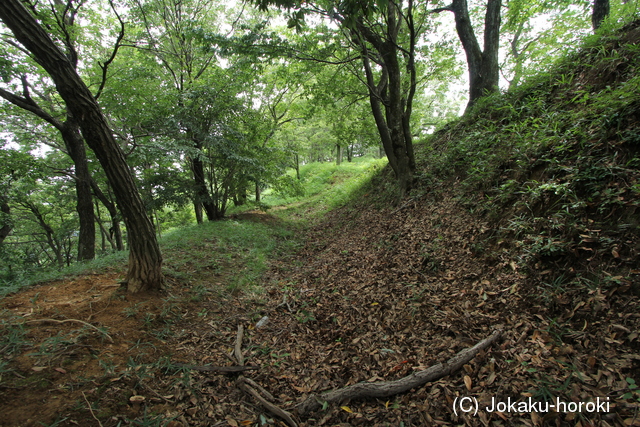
555	165
526	220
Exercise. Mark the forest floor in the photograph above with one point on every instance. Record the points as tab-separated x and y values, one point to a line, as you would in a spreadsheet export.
371	294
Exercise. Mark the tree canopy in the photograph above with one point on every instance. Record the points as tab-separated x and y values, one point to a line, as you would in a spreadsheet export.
190	107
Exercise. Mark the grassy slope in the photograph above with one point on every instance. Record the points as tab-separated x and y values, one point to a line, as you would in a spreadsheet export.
211	246
555	166
327	186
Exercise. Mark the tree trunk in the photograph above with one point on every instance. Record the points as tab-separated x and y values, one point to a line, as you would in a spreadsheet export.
600	12
202	194
115	232
197	208
104	235
75	149
338	154
258	192
393	120
52	240
145	259
482	64
297	166
6	222
84	205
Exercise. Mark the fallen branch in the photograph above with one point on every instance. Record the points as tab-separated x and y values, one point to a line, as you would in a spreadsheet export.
221	369
243	385
238	348
252	388
258	387
389	388
72	320
91	410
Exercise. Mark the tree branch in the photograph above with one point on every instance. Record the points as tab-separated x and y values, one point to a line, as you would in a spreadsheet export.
105	65
27	103
390	388
448	8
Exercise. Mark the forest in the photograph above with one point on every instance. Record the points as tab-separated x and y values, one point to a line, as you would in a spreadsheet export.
279	212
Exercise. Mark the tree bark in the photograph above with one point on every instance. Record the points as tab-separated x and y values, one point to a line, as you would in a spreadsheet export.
202	196
84	204
75	149
6	227
600	12
482	63
115	231
390	105
145	259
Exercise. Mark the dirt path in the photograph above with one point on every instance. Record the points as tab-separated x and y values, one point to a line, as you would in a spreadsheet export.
373	295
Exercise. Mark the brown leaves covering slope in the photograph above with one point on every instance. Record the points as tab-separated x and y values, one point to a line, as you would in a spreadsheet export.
377	294
374	294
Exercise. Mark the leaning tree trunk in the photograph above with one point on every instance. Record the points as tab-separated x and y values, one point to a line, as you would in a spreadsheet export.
145	259
52	240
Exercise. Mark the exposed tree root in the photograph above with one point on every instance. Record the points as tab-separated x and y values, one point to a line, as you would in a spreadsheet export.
244	385
389	388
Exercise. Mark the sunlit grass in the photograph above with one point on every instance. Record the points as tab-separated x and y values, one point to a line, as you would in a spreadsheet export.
238	249
327	186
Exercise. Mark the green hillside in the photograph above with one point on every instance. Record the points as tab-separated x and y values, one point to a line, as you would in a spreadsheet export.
554	166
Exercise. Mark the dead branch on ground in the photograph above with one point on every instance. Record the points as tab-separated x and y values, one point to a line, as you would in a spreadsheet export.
253	389
389	388
221	369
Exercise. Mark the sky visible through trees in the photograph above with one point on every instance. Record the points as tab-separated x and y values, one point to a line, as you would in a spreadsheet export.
207	105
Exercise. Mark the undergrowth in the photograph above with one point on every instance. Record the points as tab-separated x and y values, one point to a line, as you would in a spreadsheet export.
214	247
205	248
555	163
555	167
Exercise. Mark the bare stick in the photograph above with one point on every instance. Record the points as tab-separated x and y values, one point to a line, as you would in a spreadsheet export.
91	410
238	347
244	386
390	388
257	386
72	320
248	385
